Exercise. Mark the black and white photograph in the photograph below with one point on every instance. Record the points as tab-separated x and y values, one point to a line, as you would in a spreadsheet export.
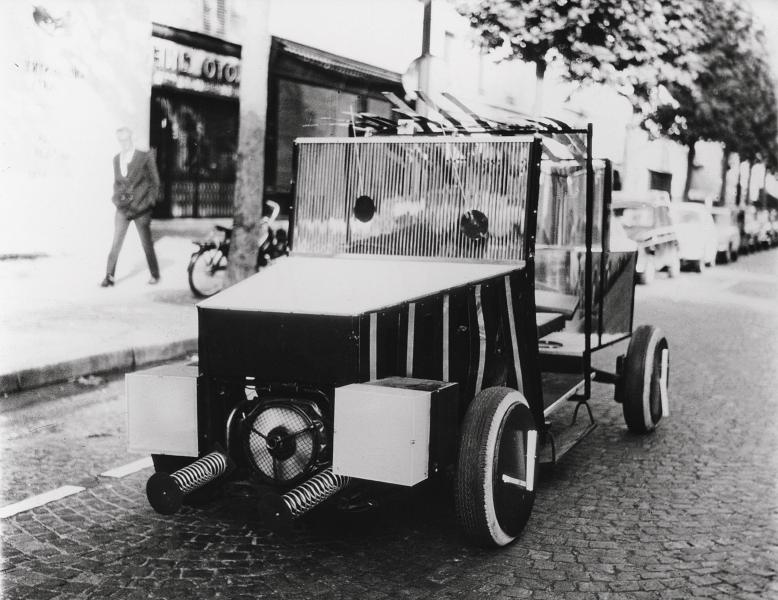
389	299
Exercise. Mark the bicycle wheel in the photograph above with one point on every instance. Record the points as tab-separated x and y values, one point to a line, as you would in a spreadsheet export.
207	271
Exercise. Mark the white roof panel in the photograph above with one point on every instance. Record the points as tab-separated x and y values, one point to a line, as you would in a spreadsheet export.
346	286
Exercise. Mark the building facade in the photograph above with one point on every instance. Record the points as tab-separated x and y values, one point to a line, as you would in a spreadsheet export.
76	70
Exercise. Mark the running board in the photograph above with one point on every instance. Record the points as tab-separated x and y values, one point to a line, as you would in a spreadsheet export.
559	443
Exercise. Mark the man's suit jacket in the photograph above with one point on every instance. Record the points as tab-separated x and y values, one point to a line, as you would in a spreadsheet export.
136	193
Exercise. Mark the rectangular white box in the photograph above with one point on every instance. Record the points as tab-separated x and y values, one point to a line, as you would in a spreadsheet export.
382	433
162	410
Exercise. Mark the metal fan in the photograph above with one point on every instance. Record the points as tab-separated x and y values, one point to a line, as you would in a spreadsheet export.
283	440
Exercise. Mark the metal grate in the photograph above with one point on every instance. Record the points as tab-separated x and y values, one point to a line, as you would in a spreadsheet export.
422	189
283	421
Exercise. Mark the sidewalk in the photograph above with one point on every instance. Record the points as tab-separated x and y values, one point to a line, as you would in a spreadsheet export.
57	324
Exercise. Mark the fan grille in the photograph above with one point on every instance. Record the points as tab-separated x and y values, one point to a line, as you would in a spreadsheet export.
282	442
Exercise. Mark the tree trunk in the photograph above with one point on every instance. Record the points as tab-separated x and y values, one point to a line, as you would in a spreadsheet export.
763	192
739	187
724	170
748	188
540	73
690	155
249	185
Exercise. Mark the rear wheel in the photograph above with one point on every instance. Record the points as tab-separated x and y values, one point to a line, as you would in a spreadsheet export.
698	266
645	379
494	487
207	270
674	267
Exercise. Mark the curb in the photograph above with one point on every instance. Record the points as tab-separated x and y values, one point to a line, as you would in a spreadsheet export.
119	360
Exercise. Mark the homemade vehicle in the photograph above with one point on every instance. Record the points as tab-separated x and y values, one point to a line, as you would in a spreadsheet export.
443	299
647	221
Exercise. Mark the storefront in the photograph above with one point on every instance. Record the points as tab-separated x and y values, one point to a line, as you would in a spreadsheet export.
194	114
194	122
312	93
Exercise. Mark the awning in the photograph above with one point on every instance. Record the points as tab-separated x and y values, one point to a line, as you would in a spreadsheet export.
326	61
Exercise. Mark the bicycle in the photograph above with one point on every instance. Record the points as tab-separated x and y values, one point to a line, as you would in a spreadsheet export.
207	267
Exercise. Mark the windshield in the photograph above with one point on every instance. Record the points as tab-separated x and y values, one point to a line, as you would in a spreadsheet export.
721	218
635	217
687	216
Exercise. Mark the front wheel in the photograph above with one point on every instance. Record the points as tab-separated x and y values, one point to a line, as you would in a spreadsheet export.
674	267
495	478
207	270
649	270
643	389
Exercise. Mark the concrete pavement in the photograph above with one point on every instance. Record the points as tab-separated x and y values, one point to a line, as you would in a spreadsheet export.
57	324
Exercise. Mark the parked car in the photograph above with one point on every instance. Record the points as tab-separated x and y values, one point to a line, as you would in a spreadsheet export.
727	233
646	220
697	235
774	223
750	231
764	229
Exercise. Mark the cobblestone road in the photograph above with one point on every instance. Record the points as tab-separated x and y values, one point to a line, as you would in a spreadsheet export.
690	511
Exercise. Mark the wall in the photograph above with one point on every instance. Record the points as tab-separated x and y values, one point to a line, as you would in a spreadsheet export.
68	82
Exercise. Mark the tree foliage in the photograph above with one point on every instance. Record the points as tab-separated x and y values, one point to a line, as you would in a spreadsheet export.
693	69
733	78
732	99
634	44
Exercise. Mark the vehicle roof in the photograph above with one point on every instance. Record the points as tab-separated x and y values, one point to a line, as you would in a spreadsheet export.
690	206
349	285
651	197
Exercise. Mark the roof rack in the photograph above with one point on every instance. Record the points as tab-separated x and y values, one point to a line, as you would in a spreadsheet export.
561	140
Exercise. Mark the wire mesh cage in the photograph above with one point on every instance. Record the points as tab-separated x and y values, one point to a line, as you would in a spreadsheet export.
437	197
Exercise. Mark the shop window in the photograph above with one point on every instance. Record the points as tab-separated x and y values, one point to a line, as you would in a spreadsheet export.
661	180
195	138
306	110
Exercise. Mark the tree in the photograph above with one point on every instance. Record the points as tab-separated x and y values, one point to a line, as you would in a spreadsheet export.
632	45
249	185
732	97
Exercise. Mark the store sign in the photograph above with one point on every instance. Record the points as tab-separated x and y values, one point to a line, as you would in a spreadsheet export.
193	69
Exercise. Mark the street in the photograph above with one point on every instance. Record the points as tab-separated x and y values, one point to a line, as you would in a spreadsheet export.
689	511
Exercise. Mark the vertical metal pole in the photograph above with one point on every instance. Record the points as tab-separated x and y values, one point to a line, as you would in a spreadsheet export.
607	184
588	265
425	34
293	195
532	389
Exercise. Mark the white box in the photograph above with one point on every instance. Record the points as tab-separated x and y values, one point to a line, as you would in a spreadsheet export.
162	410
382	433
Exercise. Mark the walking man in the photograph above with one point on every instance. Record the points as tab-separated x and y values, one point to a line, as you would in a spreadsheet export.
135	190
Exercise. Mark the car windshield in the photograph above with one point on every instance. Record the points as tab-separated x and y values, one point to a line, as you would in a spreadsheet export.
635	217
688	216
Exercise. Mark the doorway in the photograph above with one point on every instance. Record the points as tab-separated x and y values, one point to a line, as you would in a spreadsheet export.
196	140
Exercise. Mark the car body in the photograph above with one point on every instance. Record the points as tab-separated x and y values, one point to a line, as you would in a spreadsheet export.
412	334
764	229
697	234
646	220
774	226
751	227
727	233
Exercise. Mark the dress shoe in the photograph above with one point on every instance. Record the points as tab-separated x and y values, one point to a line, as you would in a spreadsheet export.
107	282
